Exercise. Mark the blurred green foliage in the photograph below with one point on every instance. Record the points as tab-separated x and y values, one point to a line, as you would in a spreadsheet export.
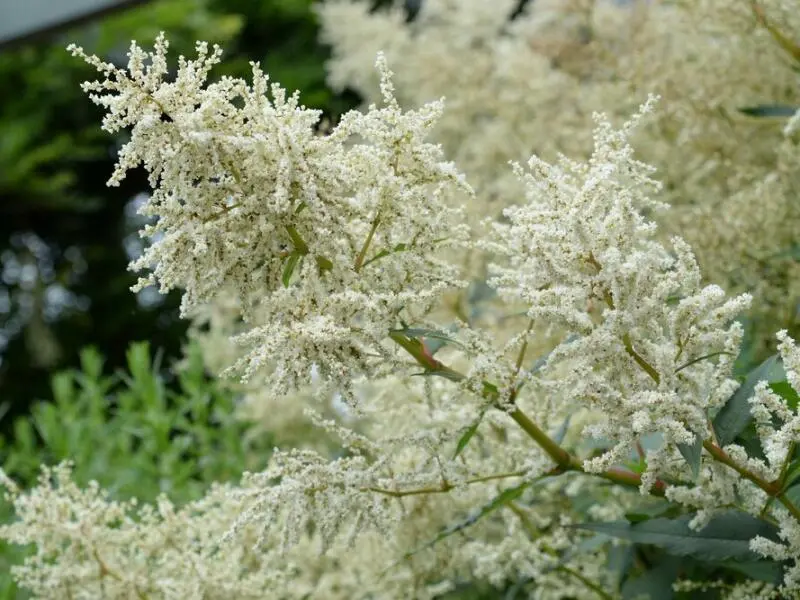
133	433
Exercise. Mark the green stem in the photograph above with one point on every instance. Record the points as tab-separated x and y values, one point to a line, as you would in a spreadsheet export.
646	366
772	488
420	353
782	477
788	45
786	462
721	456
563	458
789	505
363	253
626	338
559	455
518	366
445	487
699	358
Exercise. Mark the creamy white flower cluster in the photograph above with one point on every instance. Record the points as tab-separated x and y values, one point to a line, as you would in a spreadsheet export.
109	549
324	239
525	78
89	546
645	342
778	428
323	242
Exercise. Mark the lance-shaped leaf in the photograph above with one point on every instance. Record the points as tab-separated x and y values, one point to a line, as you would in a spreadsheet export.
323	264
732	418
655	583
382	253
726	537
692	453
770	110
761	570
429	334
289	267
469	433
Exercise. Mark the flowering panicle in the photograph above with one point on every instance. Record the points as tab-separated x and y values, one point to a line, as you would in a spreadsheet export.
581	255
323	238
468	434
778	428
527	77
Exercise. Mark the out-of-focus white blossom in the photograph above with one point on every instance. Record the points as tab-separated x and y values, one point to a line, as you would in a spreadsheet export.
528	81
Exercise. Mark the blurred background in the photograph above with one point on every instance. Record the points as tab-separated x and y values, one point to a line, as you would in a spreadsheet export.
65	238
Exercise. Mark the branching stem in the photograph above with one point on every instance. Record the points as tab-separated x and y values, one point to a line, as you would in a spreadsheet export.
564	460
773	488
444	487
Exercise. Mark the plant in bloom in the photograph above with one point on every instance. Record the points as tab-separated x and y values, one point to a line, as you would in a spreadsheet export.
326	238
495	398
524	78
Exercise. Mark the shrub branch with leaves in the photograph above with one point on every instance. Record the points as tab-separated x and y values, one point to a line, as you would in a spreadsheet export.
492	441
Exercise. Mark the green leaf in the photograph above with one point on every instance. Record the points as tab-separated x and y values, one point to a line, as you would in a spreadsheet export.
761	570
661	508
323	264
792	474
490	389
734	416
288	269
561	432
468	434
793	494
436	344
619	561
446	374
300	245
726	537
655	583
586	546
769	110
694	361
91	362
787	392
386	252
692	453
432	334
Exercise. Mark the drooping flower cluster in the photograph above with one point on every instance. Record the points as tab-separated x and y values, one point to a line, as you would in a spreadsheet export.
323	239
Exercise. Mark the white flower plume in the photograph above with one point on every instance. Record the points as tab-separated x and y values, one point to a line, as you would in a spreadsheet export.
324	238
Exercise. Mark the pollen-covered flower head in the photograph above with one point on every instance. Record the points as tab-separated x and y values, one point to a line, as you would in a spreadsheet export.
324	239
644	342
